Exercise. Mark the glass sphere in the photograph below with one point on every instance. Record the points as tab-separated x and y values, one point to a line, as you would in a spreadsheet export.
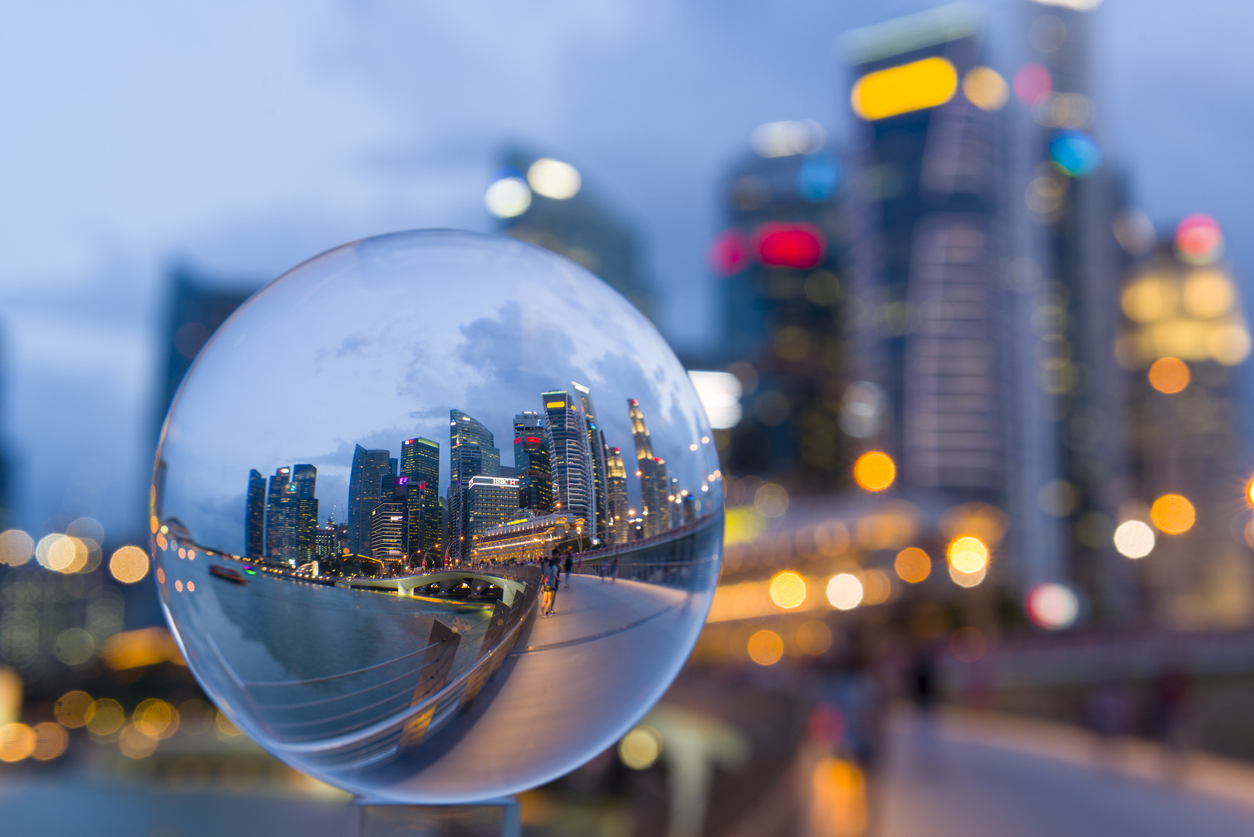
436	517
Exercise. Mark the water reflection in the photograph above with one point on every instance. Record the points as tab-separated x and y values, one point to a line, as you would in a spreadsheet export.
426	625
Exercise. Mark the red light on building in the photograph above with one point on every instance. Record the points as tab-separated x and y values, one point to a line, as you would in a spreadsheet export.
1199	238
790	245
728	253
533	440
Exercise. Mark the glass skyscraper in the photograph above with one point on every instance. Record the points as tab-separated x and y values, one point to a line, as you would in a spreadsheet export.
651	470
474	453
596	446
532	464
304	481
282	510
255	516
616	480
572	456
420	463
364	493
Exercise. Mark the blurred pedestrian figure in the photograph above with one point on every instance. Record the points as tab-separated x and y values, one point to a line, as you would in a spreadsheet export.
1109	714
550	588
614	569
601	571
1169	704
570	563
922	689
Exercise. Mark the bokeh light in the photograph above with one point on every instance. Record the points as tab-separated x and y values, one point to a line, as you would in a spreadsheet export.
1169	375
905	88
640	748
1052	606
1075	153
1134	539
554	179
968	554
845	591
874	471
50	741
788	590
17	742
771	500
1173	514
1199	240
985	88
105	717
1032	84
814	638
1208	293
967	579
728	253
508	197
800	246
129	564
71	709
16	547
913	565
766	648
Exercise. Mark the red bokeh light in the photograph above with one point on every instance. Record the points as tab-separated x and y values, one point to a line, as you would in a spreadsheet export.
1032	84
1198	236
728	253
800	246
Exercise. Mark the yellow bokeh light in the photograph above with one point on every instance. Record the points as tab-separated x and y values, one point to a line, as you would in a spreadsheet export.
50	741
771	500
71	709
985	88
814	638
913	565
845	591
766	648
788	590
640	748
135	743
1150	300
156	718
968	554
1169	375
16	547
1173	514
17	742
1227	343
874	471
1249	492
909	87
105	717
129	564
967	579
1207	294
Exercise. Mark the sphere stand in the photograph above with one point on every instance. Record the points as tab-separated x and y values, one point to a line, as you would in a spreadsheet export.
494	818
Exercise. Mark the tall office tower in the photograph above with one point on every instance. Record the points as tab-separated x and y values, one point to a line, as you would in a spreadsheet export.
1183	337
255	516
926	247
551	210
616	471
304	480
651	470
420	462
197	306
596	445
474	453
676	499
1070	283
531	463
364	482
780	268
282	511
387	533
573	478
490	501
330	541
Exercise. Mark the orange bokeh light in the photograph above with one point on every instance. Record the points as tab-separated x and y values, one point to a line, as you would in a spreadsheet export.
874	471
913	565
1173	514
1169	375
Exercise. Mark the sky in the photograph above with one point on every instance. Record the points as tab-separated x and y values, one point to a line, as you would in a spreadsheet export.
243	138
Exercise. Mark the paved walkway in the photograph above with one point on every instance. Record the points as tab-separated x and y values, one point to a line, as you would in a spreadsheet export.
967	776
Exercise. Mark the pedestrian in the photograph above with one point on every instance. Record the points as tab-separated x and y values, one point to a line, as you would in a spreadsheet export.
601	571
553	576
614	569
549	574
570	563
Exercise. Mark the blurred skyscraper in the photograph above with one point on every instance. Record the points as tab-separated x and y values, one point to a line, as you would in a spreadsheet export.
198	305
596	445
255	516
1183	335
282	510
779	264
927	249
543	202
616	470
651	469
304	481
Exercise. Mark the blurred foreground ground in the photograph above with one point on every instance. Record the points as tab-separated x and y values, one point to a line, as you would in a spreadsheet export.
961	773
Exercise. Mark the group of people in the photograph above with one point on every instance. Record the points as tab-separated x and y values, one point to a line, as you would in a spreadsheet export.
551	576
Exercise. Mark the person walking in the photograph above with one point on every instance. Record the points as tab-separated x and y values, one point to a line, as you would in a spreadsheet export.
614	569
570	563
549	588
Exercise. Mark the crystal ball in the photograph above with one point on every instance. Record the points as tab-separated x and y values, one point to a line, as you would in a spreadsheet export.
437	517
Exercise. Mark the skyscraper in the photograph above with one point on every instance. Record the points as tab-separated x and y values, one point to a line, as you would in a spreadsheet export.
651	470
474	453
490	501
596	446
926	252
304	480
255	516
531	463
282	511
571	456
364	493
387	533
420	462
616	472
779	263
